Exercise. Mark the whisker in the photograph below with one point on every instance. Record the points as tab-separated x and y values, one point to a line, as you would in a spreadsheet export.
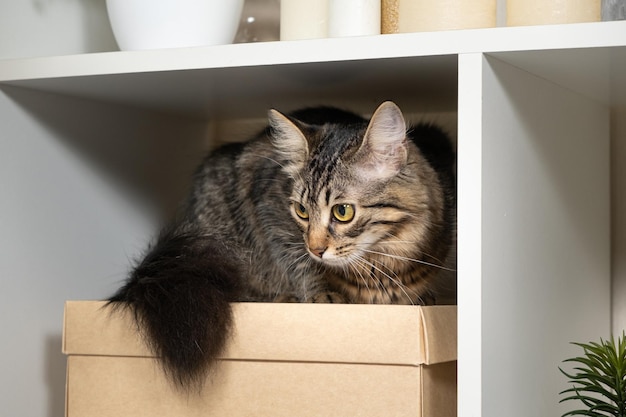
362	278
364	264
268	158
399	282
293	243
393	242
404	258
423	253
395	280
297	260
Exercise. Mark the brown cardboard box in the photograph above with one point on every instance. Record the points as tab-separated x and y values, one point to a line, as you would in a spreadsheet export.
284	360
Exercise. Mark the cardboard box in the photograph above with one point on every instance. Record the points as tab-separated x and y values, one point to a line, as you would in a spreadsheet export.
284	360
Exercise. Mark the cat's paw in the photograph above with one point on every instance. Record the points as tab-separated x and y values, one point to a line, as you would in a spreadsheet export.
286	298
328	297
322	297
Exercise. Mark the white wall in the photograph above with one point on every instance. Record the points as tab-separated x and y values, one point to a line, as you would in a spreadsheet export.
618	168
618	191
618	255
545	239
53	27
72	219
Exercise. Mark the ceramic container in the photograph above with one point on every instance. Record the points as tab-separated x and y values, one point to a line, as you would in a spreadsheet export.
303	19
155	24
353	18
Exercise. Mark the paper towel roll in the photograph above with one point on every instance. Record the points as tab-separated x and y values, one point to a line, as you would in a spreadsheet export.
544	12
431	15
303	19
353	17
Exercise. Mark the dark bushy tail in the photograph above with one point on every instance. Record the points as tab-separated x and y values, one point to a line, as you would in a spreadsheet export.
179	295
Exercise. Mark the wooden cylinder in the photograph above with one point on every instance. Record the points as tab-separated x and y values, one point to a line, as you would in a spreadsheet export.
546	12
433	15
389	16
303	19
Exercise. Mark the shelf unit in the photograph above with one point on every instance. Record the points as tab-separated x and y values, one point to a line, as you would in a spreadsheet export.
96	146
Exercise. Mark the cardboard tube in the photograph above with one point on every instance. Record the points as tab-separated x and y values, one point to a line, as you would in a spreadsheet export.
544	12
432	15
389	16
353	17
303	19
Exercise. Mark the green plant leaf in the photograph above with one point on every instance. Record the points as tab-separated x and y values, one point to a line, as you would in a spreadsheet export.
583	413
598	379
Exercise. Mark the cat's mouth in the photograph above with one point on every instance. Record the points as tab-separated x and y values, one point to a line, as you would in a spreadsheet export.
330	257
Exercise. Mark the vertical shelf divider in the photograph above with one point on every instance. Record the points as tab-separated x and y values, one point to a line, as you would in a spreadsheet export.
469	275
536	155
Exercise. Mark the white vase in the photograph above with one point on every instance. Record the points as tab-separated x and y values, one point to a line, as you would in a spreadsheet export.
155	24
353	18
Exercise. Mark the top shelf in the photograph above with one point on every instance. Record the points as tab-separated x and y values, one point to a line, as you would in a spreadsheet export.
509	39
216	80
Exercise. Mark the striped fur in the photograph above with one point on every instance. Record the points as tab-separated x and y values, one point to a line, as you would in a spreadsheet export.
242	235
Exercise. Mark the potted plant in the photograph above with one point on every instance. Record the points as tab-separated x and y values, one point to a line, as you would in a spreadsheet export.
599	379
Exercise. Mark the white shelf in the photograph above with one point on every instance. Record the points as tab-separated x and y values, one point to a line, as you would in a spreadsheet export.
244	91
574	36
215	81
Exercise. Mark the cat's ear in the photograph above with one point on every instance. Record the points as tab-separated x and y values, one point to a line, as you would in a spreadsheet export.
289	141
383	152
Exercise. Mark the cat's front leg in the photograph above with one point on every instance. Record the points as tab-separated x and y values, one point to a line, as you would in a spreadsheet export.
310	288
318	291
320	297
328	297
286	298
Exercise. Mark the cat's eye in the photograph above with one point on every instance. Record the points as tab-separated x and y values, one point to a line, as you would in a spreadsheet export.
301	211
343	212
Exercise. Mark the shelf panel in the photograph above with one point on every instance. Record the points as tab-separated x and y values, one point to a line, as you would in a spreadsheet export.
595	73
545	237
584	35
534	233
238	80
243	91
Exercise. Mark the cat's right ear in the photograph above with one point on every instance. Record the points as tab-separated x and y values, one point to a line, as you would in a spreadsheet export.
289	141
383	152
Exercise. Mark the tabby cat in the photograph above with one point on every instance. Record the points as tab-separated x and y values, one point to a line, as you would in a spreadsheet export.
322	206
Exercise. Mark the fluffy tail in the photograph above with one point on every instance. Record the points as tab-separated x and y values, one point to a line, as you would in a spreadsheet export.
179	295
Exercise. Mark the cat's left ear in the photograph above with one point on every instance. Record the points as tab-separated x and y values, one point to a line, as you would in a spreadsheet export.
289	141
383	152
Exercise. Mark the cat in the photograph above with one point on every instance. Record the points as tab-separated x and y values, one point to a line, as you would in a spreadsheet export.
322	206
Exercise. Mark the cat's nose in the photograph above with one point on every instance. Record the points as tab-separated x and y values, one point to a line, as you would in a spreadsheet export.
319	252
